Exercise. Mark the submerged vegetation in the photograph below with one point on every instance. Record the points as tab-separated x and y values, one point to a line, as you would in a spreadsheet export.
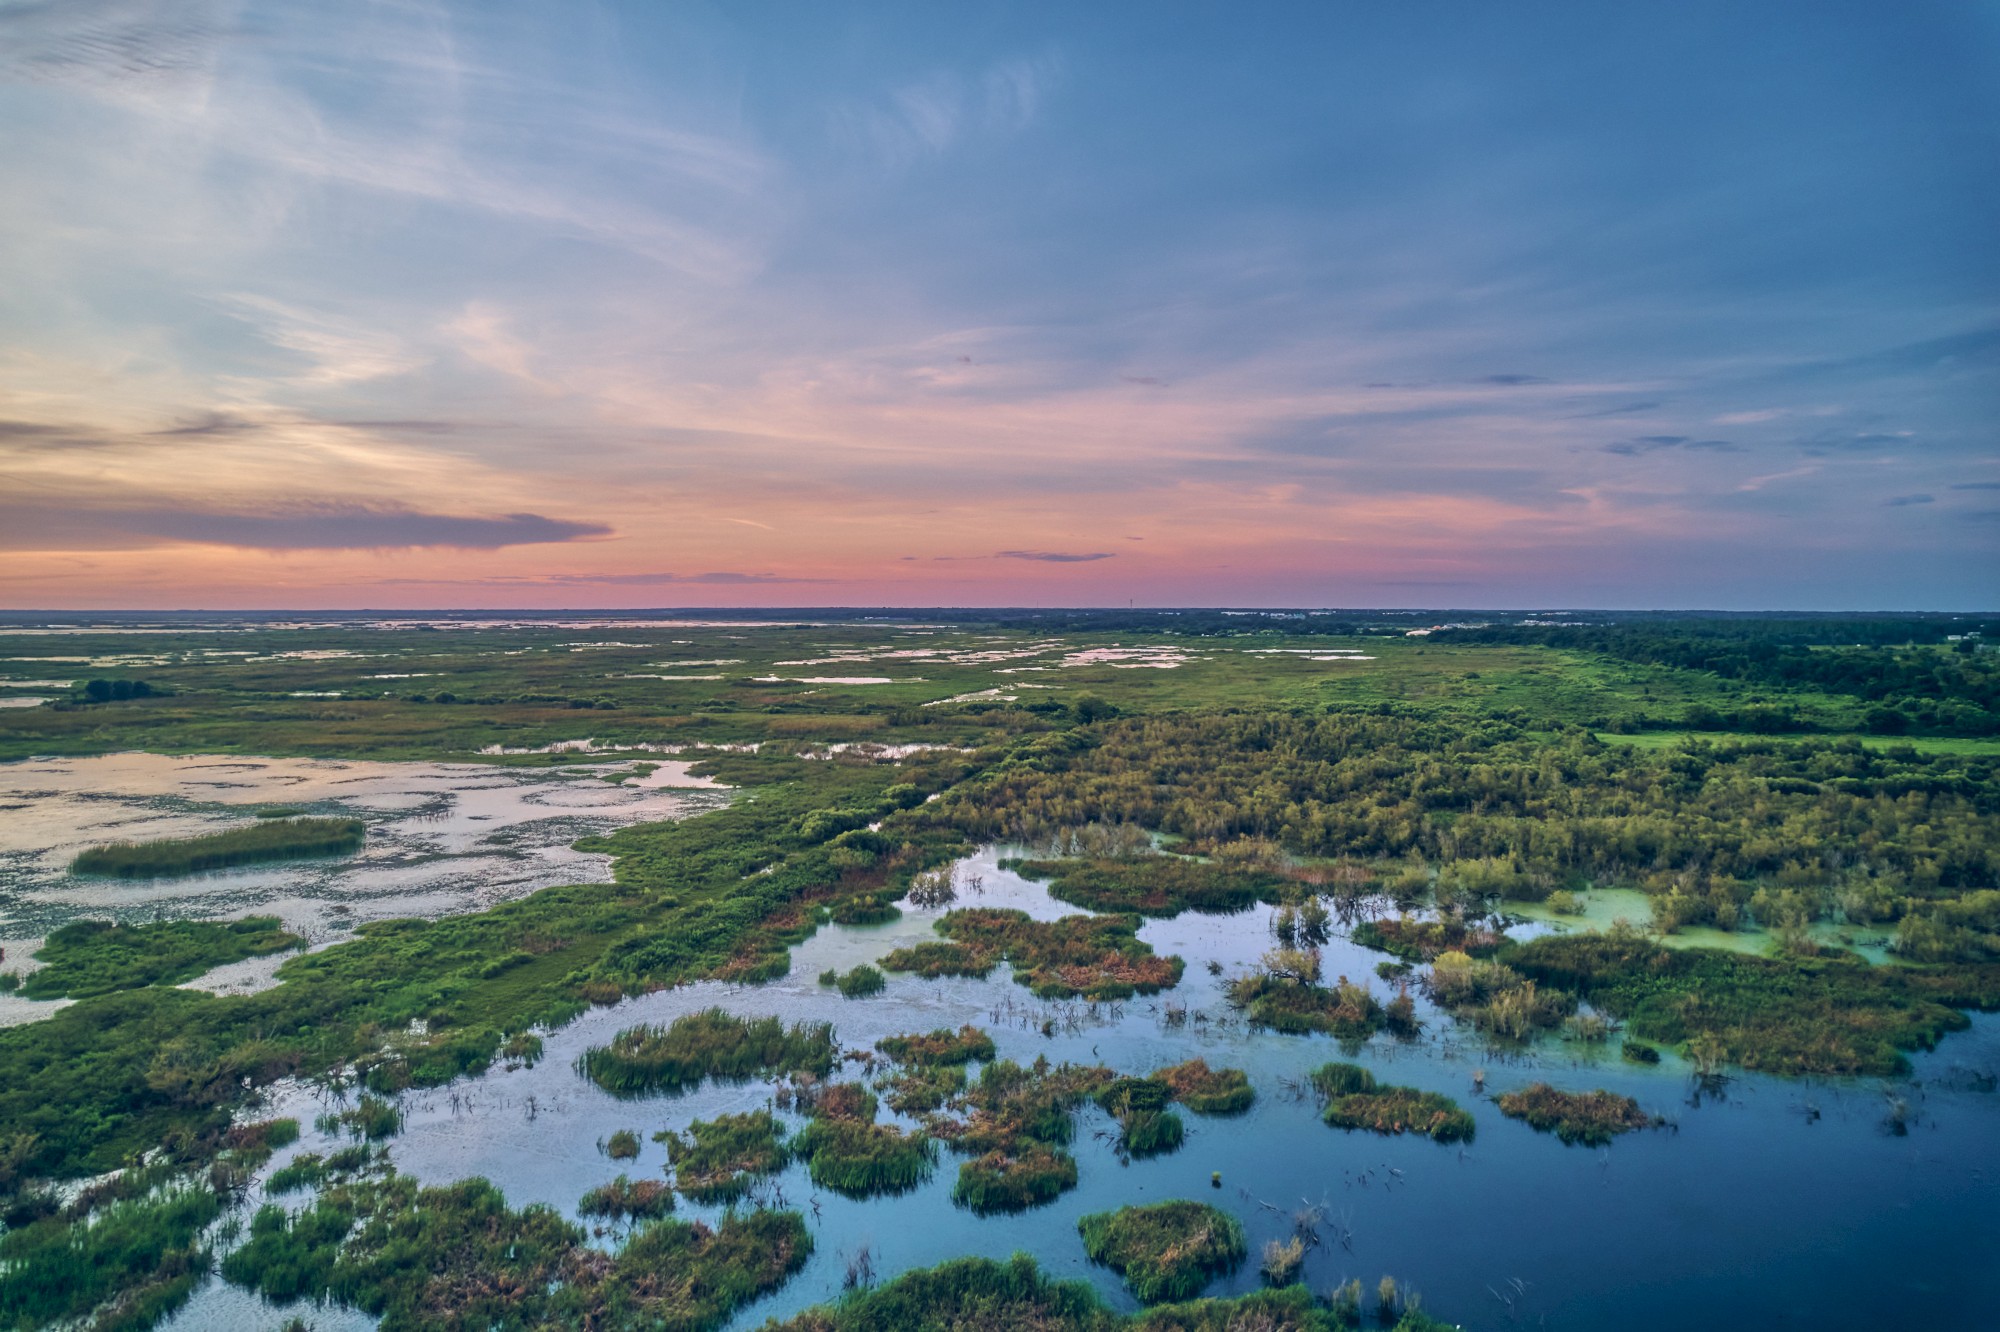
93	957
709	1044
1167	1251
254	843
1587	1118
1354	1100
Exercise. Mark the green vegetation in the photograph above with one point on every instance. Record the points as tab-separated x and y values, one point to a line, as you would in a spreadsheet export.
1155	885
1591	1119
1098	957
943	1046
132	1249
93	957
977	1293
1287	996
710	1044
716	1161
371	1118
1354	1100
1014	1180
1416	940
267	839
859	983
624	1199
1167	1251
1208	1091
862	1160
458	1259
1831	1013
622	1145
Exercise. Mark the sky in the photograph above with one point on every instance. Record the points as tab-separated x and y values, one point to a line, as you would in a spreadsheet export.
307	305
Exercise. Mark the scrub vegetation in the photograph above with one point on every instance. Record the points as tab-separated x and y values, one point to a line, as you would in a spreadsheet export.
254	843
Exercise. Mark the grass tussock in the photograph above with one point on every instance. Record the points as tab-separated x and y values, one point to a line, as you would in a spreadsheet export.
1167	1251
93	957
1355	1100
254	843
625	1199
1588	1119
859	1159
717	1160
858	983
1098	957
1292	1003
709	1044
1014	1180
943	1046
1208	1091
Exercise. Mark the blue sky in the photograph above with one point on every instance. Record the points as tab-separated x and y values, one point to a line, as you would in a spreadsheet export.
1339	304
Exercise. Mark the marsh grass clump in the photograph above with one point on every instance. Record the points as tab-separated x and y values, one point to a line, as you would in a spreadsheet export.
1638	1052
1145	1133
923	1089
307	1170
1355	1100
1292	1003
625	1199
255	843
859	1159
372	1118
1494	997
859	983
1167	1251
458	1259
93	957
622	1145
1097	957
708	1044
1416	940
1155	885
1589	1119
1208	1091
717	1160
1013	1181
122	1254
943	1046
1282	1260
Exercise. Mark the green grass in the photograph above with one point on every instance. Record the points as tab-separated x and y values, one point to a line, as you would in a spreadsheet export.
1828	1014
624	1199
858	983
1166	1251
1014	1180
1208	1091
643	1060
717	1160
1097	957
943	1046
857	1159
1154	885
1589	1119
95	957
1355	1100
266	840
978	1293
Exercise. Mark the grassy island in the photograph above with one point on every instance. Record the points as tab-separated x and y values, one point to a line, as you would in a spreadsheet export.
93	957
1355	1100
1167	1251
1097	957
709	1044
1588	1119
267	839
717	1160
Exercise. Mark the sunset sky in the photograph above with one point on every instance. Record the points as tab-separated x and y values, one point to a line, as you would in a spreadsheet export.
656	304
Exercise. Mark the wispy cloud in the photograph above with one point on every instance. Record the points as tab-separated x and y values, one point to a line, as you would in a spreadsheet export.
296	526
1055	556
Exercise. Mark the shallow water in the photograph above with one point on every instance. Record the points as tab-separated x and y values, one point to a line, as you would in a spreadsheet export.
1775	1204
442	838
